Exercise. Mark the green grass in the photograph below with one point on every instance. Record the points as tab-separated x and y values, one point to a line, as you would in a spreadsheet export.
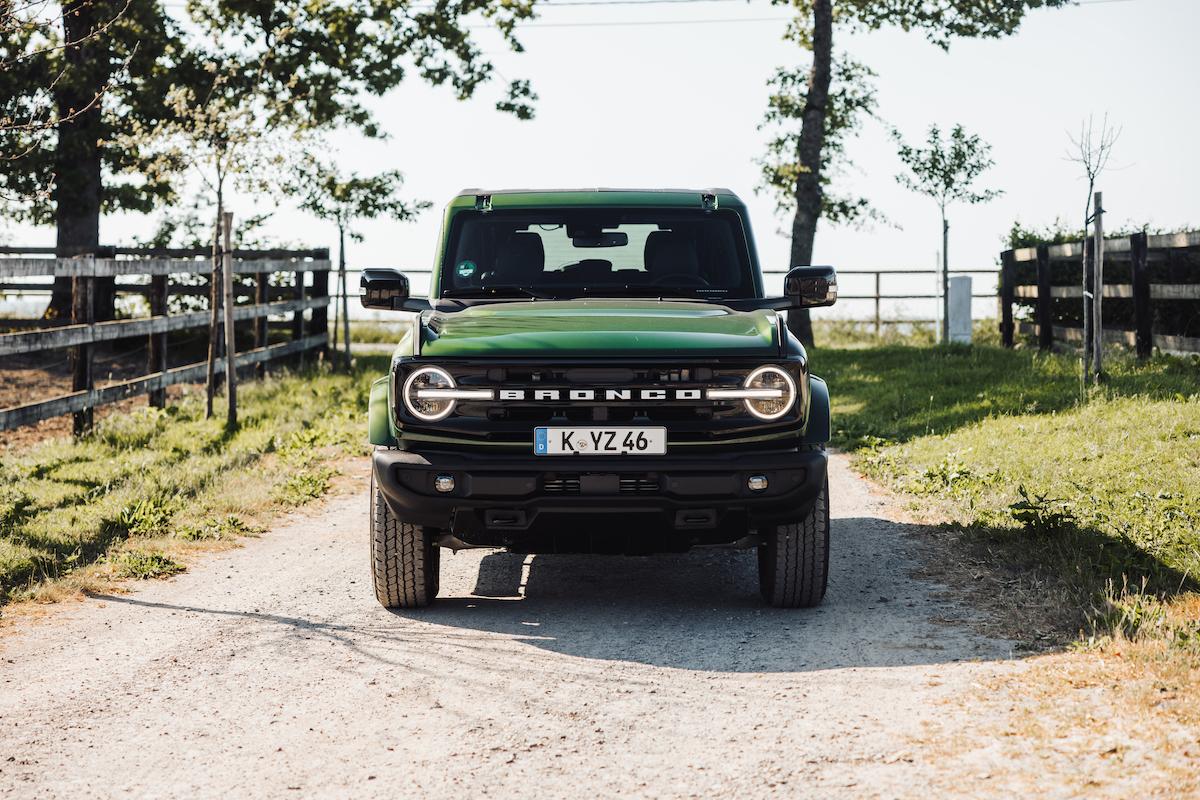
1087	494
374	332
171	474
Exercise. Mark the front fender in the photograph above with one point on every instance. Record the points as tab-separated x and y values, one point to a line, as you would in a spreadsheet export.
816	428
380	428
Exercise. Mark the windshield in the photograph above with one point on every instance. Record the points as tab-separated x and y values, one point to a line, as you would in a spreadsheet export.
575	252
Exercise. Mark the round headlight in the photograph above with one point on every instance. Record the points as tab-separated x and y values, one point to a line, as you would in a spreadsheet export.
779	392
429	409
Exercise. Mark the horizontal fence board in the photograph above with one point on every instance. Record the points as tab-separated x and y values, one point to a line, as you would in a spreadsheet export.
110	267
1175	345
71	335
193	373
174	252
1158	291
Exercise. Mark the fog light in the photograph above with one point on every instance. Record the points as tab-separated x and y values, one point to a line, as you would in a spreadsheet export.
444	483
756	483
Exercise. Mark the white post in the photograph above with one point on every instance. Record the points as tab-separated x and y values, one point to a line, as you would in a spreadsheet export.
959	309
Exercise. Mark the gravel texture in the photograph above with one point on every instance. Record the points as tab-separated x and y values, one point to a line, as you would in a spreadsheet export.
270	671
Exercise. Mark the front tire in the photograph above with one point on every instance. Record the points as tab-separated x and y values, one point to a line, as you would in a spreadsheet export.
793	559
405	560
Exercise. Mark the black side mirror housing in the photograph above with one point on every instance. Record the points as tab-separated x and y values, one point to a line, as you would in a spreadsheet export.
811	287
383	288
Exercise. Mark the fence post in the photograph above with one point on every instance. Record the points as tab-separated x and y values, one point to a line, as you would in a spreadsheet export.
156	348
230	330
1089	288
298	315
83	312
214	321
261	279
1143	312
1007	275
319	324
1045	303
878	320
1098	294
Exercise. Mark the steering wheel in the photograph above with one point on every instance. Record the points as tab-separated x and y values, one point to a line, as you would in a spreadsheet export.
686	279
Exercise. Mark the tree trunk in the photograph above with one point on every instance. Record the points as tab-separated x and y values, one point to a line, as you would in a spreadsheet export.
809	196
945	279
77	187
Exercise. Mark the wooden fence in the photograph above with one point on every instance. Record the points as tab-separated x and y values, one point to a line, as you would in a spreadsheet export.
1149	276
262	301
880	289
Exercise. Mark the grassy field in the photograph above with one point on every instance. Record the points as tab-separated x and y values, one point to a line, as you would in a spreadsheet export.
149	485
1082	515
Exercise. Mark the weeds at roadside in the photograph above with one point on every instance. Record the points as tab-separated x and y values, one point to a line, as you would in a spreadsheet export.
172	475
143	565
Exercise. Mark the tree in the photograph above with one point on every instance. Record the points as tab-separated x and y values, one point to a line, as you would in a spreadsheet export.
74	73
812	30
330	195
851	99
945	171
1091	151
317	58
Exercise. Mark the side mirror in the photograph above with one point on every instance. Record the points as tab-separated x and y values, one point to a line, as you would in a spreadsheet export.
811	287
383	288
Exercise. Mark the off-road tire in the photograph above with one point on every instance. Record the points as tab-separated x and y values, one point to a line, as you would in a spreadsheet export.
793	558
404	558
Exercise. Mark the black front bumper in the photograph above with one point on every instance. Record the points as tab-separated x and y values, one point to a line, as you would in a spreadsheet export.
608	503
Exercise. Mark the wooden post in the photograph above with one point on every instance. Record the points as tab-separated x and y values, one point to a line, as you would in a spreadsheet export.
878	319
298	315
230	330
1088	295
320	315
1143	312
261	279
1045	303
1007	275
156	348
83	311
345	299
1098	302
214	321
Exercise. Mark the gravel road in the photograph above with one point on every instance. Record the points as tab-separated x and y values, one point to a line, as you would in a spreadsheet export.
270	671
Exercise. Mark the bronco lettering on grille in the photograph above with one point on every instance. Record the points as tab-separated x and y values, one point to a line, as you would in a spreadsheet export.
559	395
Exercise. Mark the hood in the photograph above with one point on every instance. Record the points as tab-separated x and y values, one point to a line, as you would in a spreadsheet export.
570	328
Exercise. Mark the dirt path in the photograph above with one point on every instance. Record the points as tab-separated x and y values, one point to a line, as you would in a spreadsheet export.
271	671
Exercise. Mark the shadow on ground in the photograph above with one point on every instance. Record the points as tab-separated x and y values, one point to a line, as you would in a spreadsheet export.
701	610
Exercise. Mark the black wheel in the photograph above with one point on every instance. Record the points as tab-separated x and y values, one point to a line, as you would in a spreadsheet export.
404	558
793	559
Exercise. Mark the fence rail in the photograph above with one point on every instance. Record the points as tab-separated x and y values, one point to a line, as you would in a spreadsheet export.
1163	276
159	265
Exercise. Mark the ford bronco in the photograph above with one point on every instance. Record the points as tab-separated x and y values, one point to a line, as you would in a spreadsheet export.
598	371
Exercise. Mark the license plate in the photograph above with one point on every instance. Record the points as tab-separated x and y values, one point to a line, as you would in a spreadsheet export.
599	441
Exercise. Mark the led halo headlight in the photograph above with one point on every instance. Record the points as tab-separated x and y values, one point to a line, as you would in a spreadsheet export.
428	409
770	377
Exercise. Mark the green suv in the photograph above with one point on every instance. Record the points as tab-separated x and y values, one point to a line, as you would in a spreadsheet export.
598	371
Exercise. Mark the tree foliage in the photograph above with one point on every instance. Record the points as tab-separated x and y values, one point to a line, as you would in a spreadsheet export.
851	100
328	194
86	65
310	62
946	169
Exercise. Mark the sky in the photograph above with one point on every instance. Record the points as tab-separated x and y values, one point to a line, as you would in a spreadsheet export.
671	94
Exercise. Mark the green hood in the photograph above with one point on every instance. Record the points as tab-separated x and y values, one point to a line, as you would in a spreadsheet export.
570	328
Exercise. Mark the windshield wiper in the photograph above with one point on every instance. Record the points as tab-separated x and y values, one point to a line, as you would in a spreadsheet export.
496	291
